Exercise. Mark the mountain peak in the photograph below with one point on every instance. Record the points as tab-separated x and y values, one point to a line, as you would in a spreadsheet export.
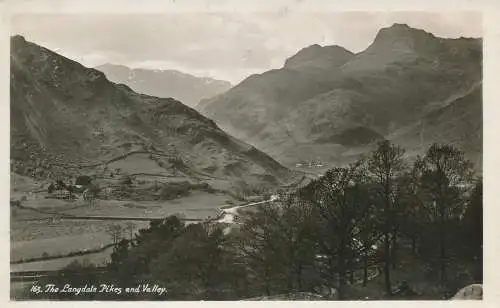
403	38
401	26
18	41
313	46
318	56
18	38
401	31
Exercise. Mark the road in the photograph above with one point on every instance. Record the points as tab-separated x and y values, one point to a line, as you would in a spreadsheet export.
228	214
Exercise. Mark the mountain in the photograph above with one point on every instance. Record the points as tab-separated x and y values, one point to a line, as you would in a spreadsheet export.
165	83
249	107
330	104
68	117
457	121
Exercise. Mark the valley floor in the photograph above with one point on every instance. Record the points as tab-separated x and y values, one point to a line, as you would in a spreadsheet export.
52	229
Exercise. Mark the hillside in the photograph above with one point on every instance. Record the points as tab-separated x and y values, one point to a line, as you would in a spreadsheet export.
66	118
327	103
165	83
457	121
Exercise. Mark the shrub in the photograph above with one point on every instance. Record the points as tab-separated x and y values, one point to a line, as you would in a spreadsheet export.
174	190
83	180
126	180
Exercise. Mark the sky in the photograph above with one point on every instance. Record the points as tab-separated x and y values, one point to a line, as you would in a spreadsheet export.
227	46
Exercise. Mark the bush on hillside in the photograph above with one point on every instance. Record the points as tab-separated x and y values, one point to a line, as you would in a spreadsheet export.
83	180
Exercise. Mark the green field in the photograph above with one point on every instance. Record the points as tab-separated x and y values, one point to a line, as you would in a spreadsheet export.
56	264
33	239
37	228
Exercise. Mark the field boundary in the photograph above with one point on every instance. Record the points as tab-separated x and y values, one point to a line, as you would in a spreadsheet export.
68	255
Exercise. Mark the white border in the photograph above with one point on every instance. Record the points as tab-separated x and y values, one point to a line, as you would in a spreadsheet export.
491	124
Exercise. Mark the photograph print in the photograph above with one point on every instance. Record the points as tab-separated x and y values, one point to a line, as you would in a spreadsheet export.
246	156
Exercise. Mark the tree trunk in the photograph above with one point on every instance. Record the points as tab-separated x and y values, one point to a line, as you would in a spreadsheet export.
342	272
442	242
299	276
387	240
267	283
393	250
387	264
365	268
289	281
350	266
414	243
292	268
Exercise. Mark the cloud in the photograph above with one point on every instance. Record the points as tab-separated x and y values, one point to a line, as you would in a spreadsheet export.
227	45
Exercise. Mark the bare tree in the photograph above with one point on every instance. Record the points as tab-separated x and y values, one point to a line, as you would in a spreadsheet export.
368	235
91	194
130	227
115	232
385	165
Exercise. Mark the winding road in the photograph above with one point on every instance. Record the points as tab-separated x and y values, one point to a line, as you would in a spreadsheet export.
228	214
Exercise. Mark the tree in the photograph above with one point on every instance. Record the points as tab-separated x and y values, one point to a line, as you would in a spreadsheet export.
120	254
297	223
472	226
277	241
341	199
385	165
130	227
60	187
131	260
259	248
193	262
412	200
115	232
83	180
368	235
446	175
92	193
402	212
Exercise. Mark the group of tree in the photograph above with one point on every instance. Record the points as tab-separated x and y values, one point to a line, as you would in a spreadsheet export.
382	211
83	184
118	232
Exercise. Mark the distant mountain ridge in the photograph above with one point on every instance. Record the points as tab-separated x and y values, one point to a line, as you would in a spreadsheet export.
165	83
64	114
329	103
